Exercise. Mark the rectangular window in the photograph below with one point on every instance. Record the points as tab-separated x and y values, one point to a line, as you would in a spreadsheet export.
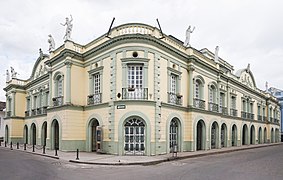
244	106
60	87
173	83
28	104
135	76
263	111
251	108
35	102
96	83
233	102
197	91
46	98
258	110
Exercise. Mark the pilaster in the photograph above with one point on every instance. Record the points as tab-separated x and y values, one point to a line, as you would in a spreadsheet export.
13	103
191	87
68	64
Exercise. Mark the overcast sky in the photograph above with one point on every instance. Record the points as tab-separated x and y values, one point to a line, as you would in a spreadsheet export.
247	31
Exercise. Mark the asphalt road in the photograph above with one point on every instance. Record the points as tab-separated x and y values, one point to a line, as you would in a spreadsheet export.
260	164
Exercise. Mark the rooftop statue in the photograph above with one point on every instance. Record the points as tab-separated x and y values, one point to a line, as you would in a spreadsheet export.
188	36
7	76
69	27
40	53
51	43
13	73
216	53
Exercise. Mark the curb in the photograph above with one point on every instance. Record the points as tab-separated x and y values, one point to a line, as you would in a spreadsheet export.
154	162
172	158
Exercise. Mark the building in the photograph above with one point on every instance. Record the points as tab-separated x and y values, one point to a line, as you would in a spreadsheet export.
279	95
137	91
2	115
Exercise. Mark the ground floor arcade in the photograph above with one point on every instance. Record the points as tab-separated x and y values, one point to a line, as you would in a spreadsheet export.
135	133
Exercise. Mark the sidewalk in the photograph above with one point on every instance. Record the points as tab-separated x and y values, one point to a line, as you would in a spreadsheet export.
106	159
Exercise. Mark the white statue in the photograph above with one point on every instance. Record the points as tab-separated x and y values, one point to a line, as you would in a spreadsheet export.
188	36
216	53
40	53
69	27
7	76
51	43
13	73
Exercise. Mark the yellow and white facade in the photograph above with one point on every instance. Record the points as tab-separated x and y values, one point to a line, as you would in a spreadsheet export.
138	91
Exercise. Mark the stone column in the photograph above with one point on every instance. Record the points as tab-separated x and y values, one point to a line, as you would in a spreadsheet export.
68	64
191	87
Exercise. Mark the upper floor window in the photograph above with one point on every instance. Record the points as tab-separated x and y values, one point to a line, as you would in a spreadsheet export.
198	89
59	89
263	111
173	84
28	104
233	102
212	106
60	86
95	83
35	104
135	76
212	94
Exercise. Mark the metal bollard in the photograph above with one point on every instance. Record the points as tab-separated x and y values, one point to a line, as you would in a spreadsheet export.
56	154
43	150
25	146
174	150
77	154
17	145
11	145
33	148
5	144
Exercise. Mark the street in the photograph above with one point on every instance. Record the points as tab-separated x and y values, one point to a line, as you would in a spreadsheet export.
260	164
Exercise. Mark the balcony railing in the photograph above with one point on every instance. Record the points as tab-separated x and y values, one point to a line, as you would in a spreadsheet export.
264	118
223	110
135	93
247	115
27	113
243	114
33	112
259	117
212	107
252	116
44	110
94	99
8	113
57	101
198	103
234	112
38	111
175	98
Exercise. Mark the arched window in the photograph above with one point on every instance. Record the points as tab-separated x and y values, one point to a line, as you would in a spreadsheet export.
173	134
198	93
59	89
212	105
134	129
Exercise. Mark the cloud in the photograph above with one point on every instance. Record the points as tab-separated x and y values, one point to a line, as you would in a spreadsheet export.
247	31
